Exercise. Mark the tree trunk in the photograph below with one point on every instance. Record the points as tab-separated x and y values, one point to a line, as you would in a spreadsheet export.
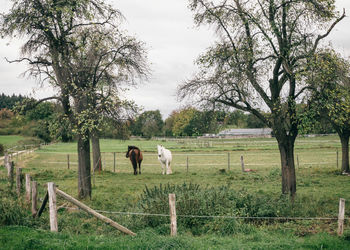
286	148
344	139
84	167
96	152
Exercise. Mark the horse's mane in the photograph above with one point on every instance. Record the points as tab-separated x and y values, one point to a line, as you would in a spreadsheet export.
132	147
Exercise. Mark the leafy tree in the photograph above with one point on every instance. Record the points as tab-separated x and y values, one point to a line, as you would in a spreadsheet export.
149	124
330	99
76	46
262	49
10	101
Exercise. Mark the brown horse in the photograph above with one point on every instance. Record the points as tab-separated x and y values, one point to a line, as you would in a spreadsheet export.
135	155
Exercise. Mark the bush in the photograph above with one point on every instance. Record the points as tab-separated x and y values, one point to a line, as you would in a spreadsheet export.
192	199
11	211
2	149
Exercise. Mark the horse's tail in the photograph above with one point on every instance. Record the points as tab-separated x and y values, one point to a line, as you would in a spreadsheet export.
133	159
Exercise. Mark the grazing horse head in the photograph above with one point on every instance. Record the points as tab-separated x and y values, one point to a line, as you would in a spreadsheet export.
135	155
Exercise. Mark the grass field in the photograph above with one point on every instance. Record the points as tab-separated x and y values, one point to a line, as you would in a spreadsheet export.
319	187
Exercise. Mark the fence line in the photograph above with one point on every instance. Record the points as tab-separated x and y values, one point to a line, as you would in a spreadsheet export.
214	216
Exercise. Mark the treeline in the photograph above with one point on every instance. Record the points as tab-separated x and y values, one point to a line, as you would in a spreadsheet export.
47	122
8	102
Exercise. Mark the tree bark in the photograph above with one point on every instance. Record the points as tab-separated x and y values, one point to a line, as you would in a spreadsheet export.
286	148
96	152
84	167
344	139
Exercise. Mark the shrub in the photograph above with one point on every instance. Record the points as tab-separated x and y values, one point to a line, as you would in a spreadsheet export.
192	199
11	211
2	149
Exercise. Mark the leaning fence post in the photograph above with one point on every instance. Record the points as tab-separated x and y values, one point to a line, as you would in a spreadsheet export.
34	198
28	189
242	163
341	216
53	206
173	226
18	180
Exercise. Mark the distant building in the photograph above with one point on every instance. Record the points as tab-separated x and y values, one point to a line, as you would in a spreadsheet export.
246	132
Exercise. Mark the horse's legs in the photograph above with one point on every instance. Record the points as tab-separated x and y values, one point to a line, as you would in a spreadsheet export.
139	167
163	171
169	168
135	168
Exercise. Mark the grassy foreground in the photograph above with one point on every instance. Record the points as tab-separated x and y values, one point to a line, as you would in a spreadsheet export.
319	187
26	238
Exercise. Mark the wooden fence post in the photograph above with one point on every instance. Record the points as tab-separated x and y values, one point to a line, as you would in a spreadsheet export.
53	206
94	213
228	161
28	188
187	164
298	161
242	163
337	160
6	160
68	161
10	173
42	207
341	216
114	162
173	225
18	180
34	198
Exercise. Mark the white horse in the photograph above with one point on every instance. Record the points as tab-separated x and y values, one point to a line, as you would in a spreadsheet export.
164	156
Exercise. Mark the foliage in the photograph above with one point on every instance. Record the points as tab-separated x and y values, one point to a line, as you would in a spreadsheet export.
148	124
258	60
12	212
9	102
2	149
192	199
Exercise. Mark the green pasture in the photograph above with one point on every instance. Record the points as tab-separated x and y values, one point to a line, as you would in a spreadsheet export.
211	162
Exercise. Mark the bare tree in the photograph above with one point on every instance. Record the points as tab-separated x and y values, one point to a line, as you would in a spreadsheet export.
76	45
256	64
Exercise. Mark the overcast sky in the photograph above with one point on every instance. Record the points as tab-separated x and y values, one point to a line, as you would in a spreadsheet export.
173	43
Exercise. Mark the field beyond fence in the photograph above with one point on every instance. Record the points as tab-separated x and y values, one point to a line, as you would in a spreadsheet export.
211	164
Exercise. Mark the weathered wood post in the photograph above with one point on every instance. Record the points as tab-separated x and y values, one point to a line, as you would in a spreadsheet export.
228	161
187	164
173	225
6	160
53	206
18	180
68	161
242	163
28	188
114	162
34	198
298	161
341	216
10	172
337	159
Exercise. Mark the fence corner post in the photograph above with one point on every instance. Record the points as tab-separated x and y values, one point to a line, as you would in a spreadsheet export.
173	225
341	216
53	206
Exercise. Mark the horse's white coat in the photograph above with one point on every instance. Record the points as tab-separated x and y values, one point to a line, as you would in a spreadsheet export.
165	157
